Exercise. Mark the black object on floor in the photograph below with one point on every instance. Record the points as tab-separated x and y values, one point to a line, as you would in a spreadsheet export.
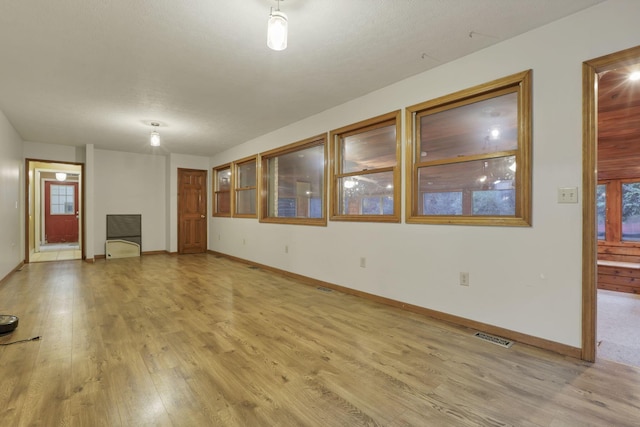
8	324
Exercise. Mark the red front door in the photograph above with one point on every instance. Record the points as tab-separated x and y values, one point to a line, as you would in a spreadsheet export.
61	212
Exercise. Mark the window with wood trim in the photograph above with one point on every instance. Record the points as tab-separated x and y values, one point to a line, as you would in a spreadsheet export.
469	159
293	183
365	170
618	207
222	190
245	187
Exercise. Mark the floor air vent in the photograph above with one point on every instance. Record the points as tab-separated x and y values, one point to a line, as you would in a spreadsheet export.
253	267
323	289
494	340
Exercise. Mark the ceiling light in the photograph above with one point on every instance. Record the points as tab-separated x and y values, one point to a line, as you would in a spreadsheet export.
154	136
61	176
277	29
634	76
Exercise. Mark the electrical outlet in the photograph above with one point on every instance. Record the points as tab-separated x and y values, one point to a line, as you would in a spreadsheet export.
244	241
464	278
218	237
286	249
363	262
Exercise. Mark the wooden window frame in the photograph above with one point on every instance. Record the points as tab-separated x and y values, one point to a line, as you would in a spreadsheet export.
336	173
613	245
236	190
319	140
519	83
215	208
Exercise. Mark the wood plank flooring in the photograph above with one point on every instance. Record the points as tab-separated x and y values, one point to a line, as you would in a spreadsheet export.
199	340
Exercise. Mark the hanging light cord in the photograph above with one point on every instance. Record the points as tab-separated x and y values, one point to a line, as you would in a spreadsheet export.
17	342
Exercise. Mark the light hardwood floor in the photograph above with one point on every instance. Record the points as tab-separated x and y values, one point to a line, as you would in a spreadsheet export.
199	340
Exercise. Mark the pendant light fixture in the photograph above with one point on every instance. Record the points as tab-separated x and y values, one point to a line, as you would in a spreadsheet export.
277	29
154	137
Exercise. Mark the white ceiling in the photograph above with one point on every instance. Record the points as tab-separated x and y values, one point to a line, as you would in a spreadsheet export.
78	72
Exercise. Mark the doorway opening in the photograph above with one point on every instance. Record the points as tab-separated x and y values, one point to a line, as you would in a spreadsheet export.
611	208
54	214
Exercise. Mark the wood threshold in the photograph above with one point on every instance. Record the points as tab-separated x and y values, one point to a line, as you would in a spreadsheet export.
542	343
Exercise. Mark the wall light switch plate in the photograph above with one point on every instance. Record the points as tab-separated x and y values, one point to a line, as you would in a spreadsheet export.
568	195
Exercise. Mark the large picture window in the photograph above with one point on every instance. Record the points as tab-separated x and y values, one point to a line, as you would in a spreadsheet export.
618	207
365	170
294	183
469	160
245	181
222	190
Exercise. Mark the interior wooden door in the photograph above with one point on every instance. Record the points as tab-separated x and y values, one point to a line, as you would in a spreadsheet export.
192	211
61	212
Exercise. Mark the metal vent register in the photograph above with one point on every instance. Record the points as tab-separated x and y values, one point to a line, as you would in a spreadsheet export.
502	342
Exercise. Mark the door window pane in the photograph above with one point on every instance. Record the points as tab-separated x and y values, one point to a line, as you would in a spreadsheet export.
62	200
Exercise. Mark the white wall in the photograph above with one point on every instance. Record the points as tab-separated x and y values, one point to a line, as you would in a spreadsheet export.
118	182
524	279
52	152
11	198
128	183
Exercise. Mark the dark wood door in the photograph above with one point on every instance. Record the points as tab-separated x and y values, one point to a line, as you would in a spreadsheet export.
192	211
60	212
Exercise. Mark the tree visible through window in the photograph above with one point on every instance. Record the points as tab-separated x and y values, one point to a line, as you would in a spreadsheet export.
631	211
618	209
601	203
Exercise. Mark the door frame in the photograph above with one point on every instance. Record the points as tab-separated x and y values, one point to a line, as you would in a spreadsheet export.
29	199
590	71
